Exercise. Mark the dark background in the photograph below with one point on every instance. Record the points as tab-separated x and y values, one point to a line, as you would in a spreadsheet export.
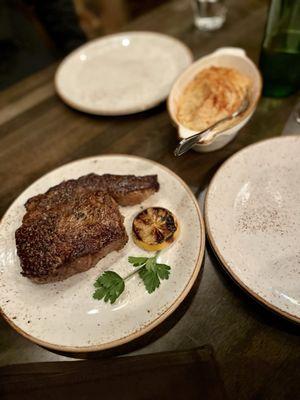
35	33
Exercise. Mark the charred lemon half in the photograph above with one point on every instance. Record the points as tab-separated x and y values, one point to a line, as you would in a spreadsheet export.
154	228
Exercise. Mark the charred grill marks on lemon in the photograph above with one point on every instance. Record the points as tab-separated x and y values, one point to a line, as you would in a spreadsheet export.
154	228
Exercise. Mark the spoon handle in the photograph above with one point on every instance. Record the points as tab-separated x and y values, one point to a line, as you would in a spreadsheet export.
207	135
187	143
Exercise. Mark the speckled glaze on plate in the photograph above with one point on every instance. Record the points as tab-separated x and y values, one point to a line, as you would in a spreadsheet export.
252	215
121	74
64	316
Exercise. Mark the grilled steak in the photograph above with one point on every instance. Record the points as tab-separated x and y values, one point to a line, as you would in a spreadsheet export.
73	225
125	189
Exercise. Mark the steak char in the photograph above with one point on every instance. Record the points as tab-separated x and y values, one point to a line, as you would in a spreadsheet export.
73	225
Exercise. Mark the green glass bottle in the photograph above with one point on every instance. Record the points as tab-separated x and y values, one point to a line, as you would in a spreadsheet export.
280	55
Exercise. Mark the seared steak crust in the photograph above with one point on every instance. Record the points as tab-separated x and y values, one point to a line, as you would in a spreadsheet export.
74	224
125	189
82	227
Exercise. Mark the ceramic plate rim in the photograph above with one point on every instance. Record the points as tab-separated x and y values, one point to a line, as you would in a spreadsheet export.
155	322
129	110
222	260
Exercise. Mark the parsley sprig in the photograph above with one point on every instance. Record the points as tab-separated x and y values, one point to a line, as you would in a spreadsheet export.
109	286
150	271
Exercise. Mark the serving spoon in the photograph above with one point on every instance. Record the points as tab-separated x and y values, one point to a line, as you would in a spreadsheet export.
208	133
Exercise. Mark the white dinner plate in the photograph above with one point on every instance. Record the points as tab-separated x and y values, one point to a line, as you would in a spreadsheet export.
121	74
252	215
64	316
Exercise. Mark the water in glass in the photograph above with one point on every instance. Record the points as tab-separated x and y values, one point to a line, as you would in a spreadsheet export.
209	14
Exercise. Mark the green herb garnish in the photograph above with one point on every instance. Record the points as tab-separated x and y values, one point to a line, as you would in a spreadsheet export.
150	271
109	286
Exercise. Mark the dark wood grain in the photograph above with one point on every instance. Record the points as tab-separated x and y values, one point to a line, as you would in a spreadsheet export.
258	353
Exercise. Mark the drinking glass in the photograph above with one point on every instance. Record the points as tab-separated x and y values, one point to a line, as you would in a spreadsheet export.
209	14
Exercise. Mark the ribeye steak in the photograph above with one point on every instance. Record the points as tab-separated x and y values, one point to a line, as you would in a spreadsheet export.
73	225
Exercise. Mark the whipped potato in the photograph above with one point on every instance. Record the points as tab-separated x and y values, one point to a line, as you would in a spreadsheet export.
213	94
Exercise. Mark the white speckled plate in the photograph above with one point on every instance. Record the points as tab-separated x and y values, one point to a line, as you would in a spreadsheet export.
63	315
252	214
121	74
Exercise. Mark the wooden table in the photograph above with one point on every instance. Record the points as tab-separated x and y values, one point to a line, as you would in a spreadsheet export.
258	353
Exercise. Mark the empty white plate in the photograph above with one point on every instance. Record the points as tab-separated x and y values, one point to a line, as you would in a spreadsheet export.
121	74
252	214
64	315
